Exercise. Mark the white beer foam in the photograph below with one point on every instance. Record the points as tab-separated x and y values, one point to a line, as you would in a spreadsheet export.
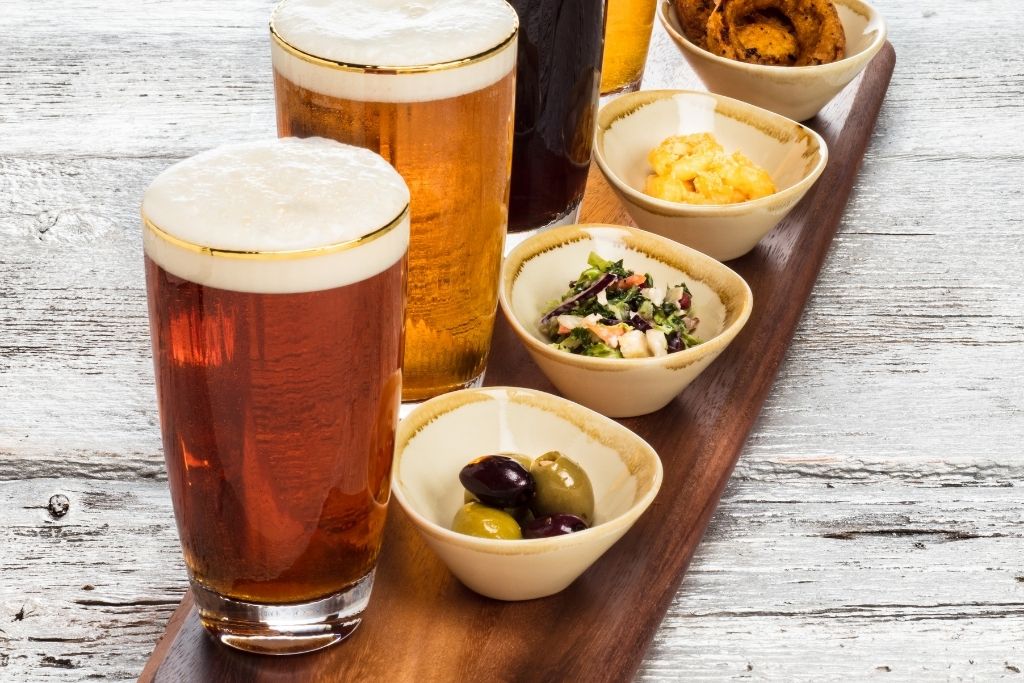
277	195
394	33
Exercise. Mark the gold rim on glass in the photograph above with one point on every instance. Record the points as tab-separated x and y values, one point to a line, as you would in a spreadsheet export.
390	70
275	255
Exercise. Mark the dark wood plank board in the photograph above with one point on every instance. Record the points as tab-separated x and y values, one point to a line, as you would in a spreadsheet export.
423	625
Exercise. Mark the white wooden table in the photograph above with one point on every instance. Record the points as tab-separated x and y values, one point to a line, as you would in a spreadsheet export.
873	527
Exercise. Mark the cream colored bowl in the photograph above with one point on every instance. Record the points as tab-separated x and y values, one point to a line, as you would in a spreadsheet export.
539	270
630	126
798	92
440	436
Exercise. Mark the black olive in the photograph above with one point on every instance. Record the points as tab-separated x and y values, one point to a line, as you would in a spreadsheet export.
498	481
553	525
640	324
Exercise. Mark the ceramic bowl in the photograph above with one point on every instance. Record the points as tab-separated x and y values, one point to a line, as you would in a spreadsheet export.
797	92
630	126
539	270
441	435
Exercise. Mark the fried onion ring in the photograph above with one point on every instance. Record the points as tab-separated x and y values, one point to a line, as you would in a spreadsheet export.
777	32
693	17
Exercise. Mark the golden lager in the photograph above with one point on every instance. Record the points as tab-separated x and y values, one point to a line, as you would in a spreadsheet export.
430	86
627	38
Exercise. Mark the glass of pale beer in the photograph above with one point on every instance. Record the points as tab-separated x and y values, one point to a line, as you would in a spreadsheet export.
276	277
430	86
627	39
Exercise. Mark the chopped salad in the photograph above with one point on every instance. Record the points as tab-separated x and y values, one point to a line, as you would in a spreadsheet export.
611	312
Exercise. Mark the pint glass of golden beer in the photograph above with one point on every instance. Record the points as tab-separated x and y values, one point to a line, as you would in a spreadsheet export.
627	38
430	86
275	272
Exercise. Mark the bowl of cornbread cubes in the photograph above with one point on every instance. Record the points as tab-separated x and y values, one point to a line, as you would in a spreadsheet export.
788	56
708	171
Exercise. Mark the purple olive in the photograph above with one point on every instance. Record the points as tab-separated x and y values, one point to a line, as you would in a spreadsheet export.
553	525
498	481
640	324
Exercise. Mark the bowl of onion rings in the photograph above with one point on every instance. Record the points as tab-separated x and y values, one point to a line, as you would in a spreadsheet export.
788	56
705	170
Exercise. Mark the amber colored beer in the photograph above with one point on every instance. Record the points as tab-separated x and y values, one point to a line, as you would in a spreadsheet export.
280	438
627	39
451	140
275	274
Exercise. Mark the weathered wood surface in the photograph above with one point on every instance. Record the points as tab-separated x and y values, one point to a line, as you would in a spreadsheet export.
873	526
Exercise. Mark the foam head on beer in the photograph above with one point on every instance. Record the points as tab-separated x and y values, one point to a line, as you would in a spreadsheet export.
271	216
395	34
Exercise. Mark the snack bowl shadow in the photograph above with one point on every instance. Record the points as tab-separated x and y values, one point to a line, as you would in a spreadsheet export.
630	126
797	92
441	435
538	271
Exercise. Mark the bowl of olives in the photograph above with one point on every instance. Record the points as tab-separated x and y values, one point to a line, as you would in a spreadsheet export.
518	491
511	497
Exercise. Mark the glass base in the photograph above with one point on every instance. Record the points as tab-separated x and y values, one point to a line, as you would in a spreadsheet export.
283	629
632	86
571	216
408	406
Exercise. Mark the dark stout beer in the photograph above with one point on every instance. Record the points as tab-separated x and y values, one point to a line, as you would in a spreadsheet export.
558	79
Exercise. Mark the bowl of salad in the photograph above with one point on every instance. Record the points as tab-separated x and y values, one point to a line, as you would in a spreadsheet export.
620	320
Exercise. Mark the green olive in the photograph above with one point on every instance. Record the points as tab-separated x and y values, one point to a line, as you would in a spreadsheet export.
562	488
520	514
476	519
523	460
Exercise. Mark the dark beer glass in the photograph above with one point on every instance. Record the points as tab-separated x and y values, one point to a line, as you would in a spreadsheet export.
276	281
558	79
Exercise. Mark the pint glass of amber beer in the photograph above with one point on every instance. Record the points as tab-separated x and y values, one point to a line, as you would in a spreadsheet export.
627	38
276	272
430	86
557	87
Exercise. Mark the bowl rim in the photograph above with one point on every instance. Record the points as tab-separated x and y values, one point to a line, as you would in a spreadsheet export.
525	251
874	17
680	209
622	521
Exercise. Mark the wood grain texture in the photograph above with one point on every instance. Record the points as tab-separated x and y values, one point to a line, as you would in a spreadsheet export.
578	634
903	389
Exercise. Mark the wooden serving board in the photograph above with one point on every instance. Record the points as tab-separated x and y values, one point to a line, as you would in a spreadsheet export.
423	625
